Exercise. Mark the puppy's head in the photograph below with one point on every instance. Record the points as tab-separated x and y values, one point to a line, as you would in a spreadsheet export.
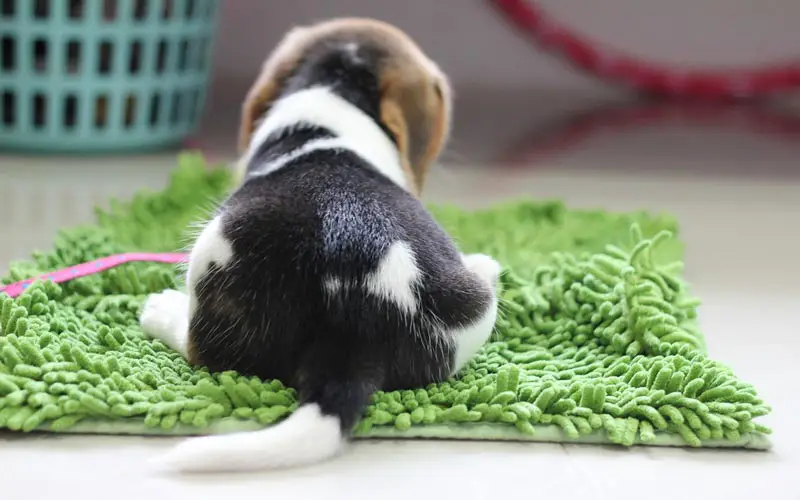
415	96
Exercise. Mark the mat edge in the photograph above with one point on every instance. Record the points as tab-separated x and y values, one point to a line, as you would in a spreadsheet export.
459	432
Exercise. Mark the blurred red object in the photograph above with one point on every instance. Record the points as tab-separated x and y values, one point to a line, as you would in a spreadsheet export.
641	75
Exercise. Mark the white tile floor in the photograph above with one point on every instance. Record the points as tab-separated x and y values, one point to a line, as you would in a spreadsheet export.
743	243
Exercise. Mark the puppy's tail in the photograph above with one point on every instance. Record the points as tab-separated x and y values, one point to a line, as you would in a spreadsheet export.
316	431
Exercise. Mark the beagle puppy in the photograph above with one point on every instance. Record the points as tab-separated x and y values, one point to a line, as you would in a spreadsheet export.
323	268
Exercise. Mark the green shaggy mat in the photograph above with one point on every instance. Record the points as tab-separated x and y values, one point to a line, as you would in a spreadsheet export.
597	341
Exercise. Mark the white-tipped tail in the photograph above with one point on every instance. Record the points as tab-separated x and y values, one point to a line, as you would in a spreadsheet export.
305	437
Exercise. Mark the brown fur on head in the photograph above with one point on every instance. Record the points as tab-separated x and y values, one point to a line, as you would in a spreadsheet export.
415	94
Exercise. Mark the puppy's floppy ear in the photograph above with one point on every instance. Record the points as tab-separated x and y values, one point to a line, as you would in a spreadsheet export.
267	86
415	106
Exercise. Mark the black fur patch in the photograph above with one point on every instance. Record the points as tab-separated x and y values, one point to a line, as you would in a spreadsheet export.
285	141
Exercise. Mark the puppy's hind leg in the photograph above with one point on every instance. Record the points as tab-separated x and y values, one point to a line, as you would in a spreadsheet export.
165	316
469	339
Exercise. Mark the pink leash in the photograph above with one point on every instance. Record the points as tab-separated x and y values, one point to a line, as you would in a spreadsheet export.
93	267
99	265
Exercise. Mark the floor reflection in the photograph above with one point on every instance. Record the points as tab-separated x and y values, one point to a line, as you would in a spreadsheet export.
729	136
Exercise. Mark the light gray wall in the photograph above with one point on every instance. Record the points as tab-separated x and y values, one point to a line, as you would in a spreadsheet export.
477	48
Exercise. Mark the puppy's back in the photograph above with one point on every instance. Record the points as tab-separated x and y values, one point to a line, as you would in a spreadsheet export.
327	251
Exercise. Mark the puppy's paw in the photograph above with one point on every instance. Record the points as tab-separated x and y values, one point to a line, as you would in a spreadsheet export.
487	269
164	313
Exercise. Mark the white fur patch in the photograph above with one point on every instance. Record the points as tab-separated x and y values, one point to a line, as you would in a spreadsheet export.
309	147
487	269
396	276
471	338
332	285
352	50
307	436
355	131
210	247
165	316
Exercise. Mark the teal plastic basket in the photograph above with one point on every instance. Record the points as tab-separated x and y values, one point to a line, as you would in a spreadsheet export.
88	76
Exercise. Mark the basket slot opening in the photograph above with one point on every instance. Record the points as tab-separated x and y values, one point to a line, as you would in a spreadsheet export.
75	9
167	9
41	51
73	57
39	117
105	58
175	108
8	53
155	110
191	9
70	116
9	102
110	10
161	56
8	8
129	117
101	111
140	10
135	59
41	9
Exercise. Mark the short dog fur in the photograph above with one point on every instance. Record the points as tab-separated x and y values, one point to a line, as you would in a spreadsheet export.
323	269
